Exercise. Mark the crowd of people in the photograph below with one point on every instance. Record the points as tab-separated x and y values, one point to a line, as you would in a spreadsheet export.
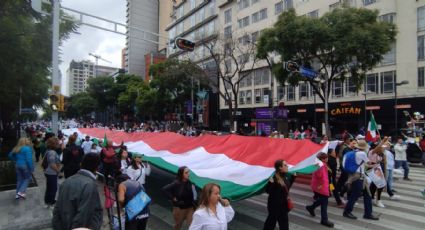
366	170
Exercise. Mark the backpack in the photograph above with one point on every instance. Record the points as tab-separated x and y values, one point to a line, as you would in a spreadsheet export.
350	164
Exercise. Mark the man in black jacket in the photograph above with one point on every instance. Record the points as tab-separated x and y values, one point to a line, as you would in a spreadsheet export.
78	204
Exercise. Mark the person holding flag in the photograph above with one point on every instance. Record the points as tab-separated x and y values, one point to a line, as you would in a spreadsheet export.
372	134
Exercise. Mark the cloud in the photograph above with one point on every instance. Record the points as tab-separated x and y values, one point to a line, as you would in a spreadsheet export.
91	40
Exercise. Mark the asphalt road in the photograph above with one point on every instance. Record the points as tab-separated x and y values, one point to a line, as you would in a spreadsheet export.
406	213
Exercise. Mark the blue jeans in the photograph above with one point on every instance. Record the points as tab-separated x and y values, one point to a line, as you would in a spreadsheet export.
356	191
389	179
405	166
321	200
51	188
23	177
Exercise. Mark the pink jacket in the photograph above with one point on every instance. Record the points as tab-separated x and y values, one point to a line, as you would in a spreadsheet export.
321	177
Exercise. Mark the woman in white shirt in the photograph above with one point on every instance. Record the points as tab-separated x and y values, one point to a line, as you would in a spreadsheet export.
138	170
213	213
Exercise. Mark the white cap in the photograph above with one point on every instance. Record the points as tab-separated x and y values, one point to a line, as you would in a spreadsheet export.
359	137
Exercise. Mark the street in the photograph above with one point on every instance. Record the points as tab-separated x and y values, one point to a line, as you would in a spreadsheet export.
407	213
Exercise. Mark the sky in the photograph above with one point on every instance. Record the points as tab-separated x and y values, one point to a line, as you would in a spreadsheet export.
91	40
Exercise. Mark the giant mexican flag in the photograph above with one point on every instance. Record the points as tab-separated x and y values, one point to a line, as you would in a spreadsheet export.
241	165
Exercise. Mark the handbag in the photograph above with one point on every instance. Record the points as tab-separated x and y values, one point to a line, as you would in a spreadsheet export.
289	203
137	204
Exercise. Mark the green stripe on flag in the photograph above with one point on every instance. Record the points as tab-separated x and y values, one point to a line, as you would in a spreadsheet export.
229	189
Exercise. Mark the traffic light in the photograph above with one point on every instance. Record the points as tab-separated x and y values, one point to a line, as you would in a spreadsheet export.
184	44
54	101
61	103
291	66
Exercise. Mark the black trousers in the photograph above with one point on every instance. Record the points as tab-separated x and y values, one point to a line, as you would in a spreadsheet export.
281	217
51	189
139	224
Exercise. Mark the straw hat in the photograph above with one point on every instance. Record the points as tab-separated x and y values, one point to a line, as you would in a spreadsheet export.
362	145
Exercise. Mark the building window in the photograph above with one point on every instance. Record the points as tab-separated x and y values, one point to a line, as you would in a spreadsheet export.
313	14
257	78
200	15
291	93
243	22
389	57
228	97
248	97
371	83
280	92
254	1
421	18
351	87
265	76
211	8
192	4
337	88
368	2
192	20
334	6
390	18
421	77
387	82
266	95
421	47
257	96
263	14
278	7
180	12
228	16
254	37
288	4
303	90
211	28
244	58
242	4
254	17
228	32
242	97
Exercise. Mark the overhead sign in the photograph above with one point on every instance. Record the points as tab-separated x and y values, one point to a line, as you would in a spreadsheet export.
308	73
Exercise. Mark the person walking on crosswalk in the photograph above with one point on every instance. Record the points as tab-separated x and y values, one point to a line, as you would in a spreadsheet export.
320	187
358	182
277	203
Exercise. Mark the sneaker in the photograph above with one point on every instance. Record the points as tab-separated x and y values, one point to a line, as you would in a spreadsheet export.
47	206
395	197
310	210
341	205
327	224
407	178
16	197
423	193
379	204
21	195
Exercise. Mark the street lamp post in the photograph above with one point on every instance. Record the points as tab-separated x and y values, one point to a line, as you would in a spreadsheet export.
365	107
395	102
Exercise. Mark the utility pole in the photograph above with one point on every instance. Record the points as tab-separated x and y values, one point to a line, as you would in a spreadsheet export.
55	60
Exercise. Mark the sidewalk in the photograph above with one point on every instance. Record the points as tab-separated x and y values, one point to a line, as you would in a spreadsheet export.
29	213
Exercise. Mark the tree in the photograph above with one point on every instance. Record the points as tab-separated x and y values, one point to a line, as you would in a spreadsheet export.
234	60
25	60
80	105
343	43
173	82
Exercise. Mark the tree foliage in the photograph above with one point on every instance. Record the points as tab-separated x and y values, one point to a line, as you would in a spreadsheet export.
80	105
346	42
25	60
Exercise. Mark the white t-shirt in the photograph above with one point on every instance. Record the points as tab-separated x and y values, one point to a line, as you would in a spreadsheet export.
135	173
204	219
86	145
400	152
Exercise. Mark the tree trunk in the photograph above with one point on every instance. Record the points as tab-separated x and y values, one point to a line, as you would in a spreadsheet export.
327	128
